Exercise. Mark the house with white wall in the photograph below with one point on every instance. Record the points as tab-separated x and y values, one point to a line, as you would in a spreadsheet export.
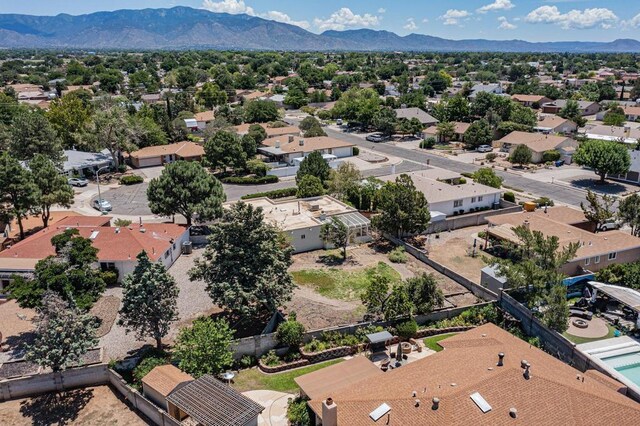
285	149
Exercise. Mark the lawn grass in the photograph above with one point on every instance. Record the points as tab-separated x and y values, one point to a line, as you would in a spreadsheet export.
254	379
343	285
579	340
432	342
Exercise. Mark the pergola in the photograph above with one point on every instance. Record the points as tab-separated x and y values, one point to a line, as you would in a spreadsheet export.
627	296
357	224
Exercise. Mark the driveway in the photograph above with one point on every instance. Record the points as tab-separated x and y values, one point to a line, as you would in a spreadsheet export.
275	404
129	200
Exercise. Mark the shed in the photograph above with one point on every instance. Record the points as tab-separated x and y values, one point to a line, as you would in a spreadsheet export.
378	341
161	381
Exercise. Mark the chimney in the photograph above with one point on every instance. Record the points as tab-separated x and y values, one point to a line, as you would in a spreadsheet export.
329	413
301	142
500	359
436	403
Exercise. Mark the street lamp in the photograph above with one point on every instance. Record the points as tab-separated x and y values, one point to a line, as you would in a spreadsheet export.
98	181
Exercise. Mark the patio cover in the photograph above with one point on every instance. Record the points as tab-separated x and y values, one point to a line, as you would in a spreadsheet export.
624	295
380	337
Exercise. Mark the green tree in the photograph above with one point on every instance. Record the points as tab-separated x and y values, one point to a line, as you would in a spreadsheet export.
359	105
19	194
308	122
478	133
424	292
385	121
31	134
109	129
336	233
571	111
296	98
224	150
604	157
344	180
556	314
522	115
521	155
260	111
211	95
314	132
290	332
445	131
614	116
62	335
186	77
309	186
629	213
314	165
185	188
457	109
205	347
403	209
551	155
486	176
69	116
53	187
598	210
245	265
149	300
257	133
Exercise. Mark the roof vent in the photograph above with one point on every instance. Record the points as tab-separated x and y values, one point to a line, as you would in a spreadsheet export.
436	403
277	144
500	359
523	363
414	394
143	230
417	402
301	142
117	230
513	413
526	373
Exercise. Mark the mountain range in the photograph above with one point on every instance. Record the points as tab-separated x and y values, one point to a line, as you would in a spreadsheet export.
187	28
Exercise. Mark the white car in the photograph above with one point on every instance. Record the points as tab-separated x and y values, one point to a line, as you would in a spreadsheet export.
376	137
610	224
484	148
77	182
102	205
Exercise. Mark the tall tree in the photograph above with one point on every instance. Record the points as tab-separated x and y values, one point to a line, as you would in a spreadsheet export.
31	134
598	210
19	195
403	209
385	121
335	232
424	292
478	133
109	129
486	176
54	189
69	116
556	314
314	165
260	112
521	155
224	150
445	131
149	300
185	188
62	334
309	186
629	213
604	157
344	180
211	95
205	347
245	265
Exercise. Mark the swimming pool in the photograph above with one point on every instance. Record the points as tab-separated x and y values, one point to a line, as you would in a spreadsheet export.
628	365
620	356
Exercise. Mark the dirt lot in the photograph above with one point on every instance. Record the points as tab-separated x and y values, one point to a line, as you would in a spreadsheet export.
98	406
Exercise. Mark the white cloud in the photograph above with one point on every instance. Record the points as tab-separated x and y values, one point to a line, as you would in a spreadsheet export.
410	25
382	10
275	15
633	22
345	18
425	20
453	16
496	5
574	19
505	24
233	7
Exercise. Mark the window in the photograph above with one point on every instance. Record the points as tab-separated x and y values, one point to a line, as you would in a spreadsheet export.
597	259
613	255
480	198
587	261
473	199
457	203
166	254
107	266
302	237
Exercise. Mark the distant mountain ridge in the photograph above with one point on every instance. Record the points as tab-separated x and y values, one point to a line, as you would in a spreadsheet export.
188	28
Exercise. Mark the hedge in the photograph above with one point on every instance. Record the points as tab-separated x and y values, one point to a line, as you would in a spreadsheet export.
509	196
131	180
250	180
278	193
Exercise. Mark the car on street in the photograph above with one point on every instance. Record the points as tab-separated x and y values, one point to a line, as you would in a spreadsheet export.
484	148
376	137
339	122
77	181
102	205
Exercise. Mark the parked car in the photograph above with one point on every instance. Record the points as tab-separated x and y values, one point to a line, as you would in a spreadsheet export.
376	137
77	181
339	122
610	224
102	205
484	148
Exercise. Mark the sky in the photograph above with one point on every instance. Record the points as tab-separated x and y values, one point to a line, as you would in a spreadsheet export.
533	20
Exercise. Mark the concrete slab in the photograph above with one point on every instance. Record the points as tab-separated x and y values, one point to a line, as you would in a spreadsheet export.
275	403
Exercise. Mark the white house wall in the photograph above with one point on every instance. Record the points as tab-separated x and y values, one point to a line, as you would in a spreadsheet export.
447	208
305	239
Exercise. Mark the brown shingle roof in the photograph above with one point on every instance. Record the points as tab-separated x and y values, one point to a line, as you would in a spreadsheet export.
205	116
552	395
537	142
271	131
165	378
184	149
292	144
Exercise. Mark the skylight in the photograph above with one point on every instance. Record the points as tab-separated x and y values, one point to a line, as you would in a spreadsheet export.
379	412
480	402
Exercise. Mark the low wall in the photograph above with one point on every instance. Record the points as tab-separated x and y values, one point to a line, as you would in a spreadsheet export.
471	219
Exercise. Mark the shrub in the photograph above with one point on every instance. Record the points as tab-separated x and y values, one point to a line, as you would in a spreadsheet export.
550	156
250	180
398	255
131	180
428	143
544	201
356	151
298	413
290	332
467	174
110	277
122	168
122	222
257	167
146	366
278	193
462	181
247	361
491	157
509	196
271	359
315	345
407	329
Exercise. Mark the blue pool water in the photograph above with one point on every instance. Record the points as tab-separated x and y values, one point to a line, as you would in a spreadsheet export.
628	365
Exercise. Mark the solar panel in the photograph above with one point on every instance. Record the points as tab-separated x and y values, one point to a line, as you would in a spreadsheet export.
379	412
481	402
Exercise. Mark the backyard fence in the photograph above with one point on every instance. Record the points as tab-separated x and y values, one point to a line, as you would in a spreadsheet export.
471	219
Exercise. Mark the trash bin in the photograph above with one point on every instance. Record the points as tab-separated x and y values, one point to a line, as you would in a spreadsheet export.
187	247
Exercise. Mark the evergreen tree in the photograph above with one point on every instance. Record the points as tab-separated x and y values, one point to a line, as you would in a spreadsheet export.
19	194
556	315
403	209
54	189
335	232
314	165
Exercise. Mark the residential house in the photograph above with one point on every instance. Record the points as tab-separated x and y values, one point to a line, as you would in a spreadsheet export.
151	98
586	107
596	250
531	101
191	124
158	384
409	113
494	88
301	220
538	143
555	124
117	246
243	129
159	155
460	129
446	199
289	148
625	134
85	163
633	175
203	119
631	113
483	376
208	402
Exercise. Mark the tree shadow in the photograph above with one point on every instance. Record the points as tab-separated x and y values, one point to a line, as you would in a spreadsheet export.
16	344
56	408
609	188
331	259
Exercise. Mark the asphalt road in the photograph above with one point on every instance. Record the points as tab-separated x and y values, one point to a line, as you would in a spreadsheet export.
557	192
